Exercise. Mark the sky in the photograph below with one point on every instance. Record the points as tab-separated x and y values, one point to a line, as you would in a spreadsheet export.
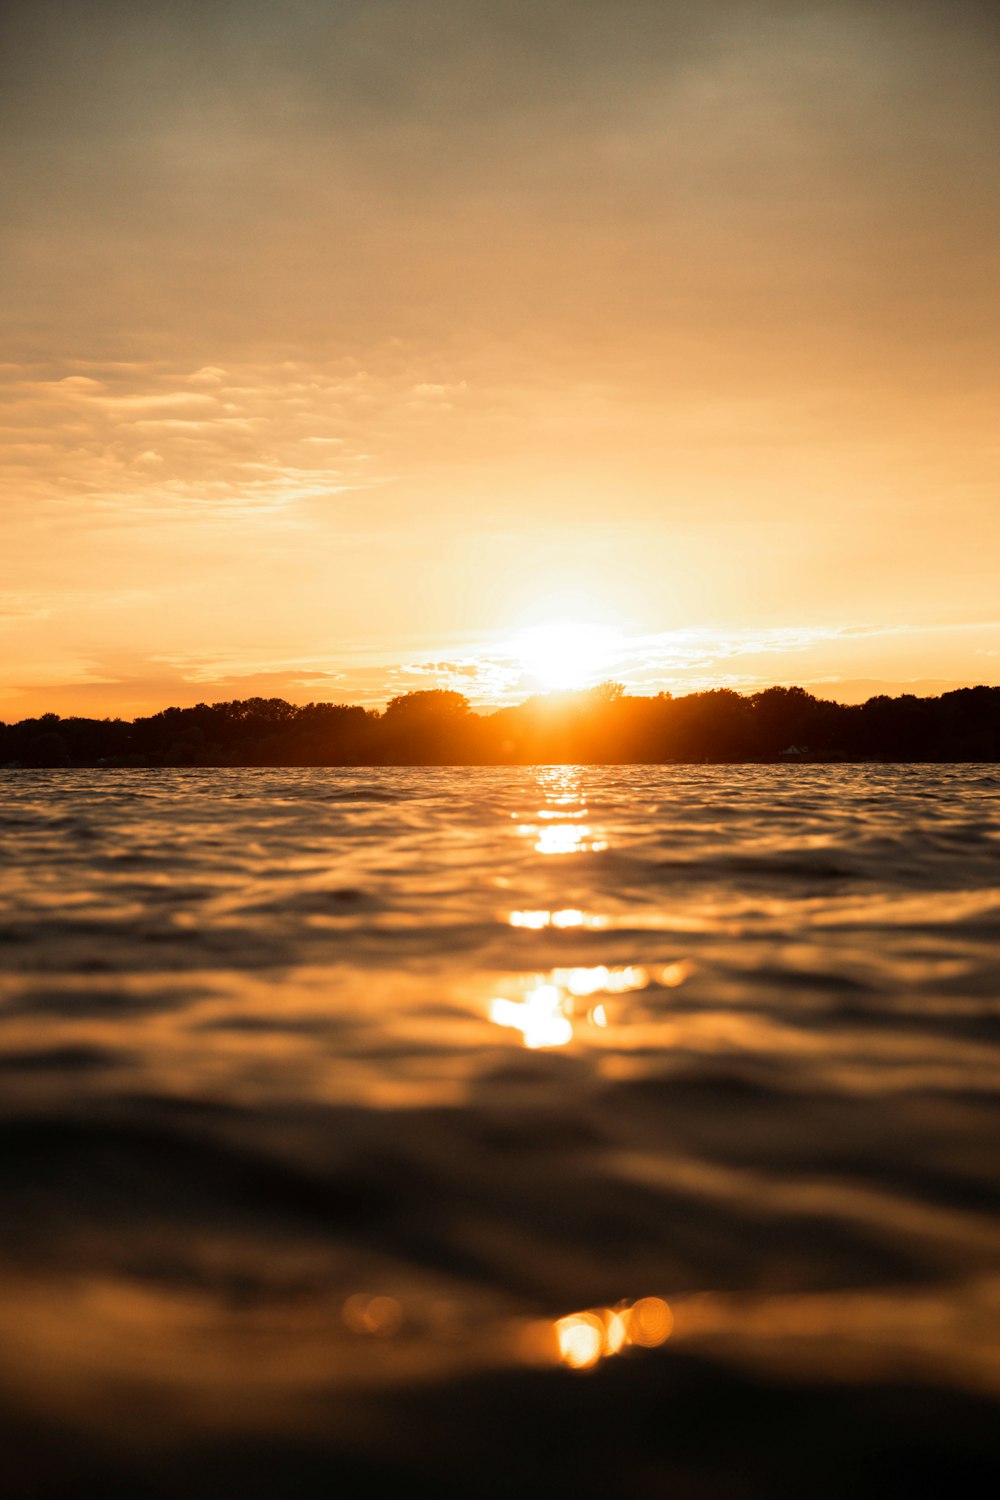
351	347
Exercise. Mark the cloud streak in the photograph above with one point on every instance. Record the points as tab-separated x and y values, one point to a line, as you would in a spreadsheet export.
148	439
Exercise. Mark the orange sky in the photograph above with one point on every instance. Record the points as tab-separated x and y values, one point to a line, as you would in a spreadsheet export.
345	339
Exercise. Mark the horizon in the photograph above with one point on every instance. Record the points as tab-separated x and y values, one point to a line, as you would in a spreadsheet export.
79	701
554	698
600	725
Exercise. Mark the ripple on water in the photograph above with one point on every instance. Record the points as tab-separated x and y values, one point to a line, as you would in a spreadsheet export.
386	1081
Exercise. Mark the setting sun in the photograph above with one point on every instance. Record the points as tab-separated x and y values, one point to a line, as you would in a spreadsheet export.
565	656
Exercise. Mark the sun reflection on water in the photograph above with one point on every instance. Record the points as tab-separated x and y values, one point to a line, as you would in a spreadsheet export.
547	1015
599	979
540	1017
559	829
564	838
582	1340
566	918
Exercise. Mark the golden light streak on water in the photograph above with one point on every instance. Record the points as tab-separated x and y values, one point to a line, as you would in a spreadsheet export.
562	838
599	979
540	1017
547	1015
568	917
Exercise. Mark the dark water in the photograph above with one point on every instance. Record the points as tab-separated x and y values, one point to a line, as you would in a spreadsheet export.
343	1112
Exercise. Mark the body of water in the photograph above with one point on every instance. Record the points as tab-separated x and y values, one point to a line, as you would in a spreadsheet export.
574	1130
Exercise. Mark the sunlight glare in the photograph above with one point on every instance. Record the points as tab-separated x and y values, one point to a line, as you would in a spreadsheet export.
563	657
565	838
540	1017
536	920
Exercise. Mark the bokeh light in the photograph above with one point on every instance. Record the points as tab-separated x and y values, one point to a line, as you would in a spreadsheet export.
379	1316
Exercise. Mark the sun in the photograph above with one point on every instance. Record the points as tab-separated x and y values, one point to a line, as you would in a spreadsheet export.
563	656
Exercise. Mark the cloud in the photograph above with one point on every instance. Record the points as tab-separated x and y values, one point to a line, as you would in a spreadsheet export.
132	682
481	679
129	684
23	606
696	660
245	440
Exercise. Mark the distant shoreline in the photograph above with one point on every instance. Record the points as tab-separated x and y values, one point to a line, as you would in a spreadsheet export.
491	765
598	726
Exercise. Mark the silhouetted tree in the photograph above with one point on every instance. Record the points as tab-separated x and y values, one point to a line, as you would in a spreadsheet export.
49	749
601	725
433	726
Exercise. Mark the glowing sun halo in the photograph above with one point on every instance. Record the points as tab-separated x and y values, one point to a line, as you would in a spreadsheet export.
566	656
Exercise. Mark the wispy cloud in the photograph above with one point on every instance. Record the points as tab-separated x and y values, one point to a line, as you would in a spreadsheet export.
144	440
686	660
132	682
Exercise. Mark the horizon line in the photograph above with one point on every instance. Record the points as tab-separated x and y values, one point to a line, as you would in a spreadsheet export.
555	696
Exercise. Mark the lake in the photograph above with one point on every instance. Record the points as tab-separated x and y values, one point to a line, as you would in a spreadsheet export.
567	1130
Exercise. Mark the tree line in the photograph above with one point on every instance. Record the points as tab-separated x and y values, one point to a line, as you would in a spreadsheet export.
600	726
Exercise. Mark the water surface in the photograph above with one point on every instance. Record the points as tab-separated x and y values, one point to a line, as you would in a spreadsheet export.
344	1112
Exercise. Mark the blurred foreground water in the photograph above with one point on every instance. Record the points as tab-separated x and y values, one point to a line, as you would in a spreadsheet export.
574	1131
